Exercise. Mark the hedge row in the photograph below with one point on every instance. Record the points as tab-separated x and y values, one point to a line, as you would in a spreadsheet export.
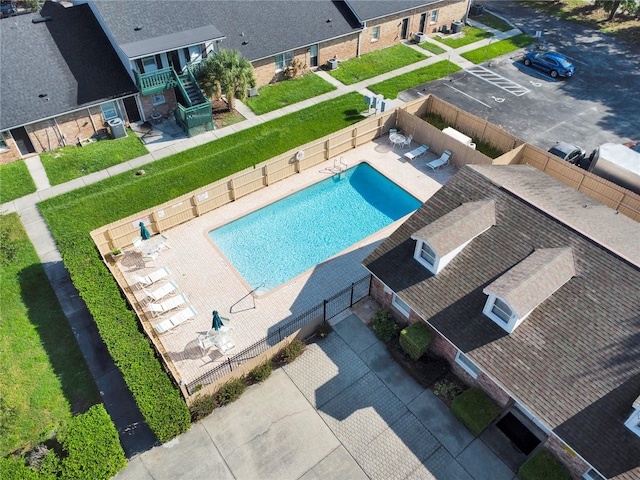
91	450
73	215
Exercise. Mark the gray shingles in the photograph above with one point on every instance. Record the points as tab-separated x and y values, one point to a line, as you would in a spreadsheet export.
269	27
574	361
68	58
370	10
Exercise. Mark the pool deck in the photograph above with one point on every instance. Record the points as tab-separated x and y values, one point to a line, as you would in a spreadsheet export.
210	283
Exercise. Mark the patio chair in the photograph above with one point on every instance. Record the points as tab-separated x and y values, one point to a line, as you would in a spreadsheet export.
152	278
168	305
443	161
416	152
136	242
161	292
205	343
407	142
393	131
150	257
175	320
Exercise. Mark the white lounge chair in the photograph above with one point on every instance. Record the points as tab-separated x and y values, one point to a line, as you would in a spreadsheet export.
407	142
152	277
443	161
162	291
167	305
416	152
175	320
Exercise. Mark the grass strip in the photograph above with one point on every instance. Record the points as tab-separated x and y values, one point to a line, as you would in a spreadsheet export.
499	48
375	63
471	35
278	95
68	163
390	88
73	215
44	376
492	21
431	47
15	181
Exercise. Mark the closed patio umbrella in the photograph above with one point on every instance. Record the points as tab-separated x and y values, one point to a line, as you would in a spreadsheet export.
217	321
144	233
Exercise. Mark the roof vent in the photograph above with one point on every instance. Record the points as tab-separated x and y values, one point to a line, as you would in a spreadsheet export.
43	95
41	19
244	42
137	28
328	20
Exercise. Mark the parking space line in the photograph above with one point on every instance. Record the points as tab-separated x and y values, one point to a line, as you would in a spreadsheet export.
467	95
498	80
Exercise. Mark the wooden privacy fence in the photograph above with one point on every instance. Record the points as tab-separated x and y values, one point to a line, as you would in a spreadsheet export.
121	233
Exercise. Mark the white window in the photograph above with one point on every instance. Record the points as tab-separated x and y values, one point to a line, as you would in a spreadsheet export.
633	422
502	310
158	99
109	110
283	61
400	305
434	16
466	363
427	254
593	475
149	64
375	34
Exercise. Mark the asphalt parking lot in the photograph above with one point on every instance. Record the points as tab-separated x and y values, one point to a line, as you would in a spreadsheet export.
600	104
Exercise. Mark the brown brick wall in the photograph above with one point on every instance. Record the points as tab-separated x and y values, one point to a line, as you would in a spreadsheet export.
166	109
576	466
492	389
10	155
342	48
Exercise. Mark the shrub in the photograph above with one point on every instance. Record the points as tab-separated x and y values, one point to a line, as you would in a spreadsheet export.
92	445
262	372
14	468
231	391
475	410
202	407
293	351
415	340
543	466
446	390
384	326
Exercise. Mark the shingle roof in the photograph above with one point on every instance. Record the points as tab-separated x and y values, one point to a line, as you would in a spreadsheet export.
371	9
575	361
67	58
530	282
269	26
458	226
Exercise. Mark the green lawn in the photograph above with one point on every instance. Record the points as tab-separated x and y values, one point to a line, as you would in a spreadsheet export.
390	88
44	377
492	21
499	48
278	95
71	162
471	35
431	47
15	181
375	63
73	215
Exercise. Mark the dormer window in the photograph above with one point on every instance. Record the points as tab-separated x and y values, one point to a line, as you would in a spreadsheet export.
440	241
515	294
633	422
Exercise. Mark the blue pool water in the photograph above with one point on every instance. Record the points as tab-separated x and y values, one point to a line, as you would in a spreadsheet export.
280	241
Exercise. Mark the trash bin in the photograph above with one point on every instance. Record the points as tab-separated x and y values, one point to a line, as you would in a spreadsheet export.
116	125
477	10
456	26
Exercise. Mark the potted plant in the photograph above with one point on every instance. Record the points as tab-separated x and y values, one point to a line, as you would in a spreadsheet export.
116	252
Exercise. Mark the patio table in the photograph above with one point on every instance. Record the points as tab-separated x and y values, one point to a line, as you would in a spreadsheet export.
397	139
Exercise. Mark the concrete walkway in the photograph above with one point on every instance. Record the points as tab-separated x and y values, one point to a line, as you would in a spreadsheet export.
134	433
343	410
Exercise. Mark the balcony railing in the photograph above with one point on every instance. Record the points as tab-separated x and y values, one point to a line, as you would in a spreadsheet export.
154	82
196	119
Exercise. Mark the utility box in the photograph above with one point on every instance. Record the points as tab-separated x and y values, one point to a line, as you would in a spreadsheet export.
476	10
118	130
419	37
332	63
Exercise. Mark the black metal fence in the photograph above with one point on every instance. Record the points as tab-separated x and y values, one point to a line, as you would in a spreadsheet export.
326	310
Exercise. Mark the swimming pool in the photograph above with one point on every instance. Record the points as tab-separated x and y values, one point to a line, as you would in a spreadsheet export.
284	239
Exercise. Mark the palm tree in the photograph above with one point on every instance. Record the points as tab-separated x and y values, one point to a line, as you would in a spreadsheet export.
226	72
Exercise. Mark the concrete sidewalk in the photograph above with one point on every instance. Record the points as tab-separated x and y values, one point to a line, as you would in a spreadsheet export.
134	433
344	409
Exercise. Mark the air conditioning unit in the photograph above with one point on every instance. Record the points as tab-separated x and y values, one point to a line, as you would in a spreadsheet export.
420	37
332	63
253	92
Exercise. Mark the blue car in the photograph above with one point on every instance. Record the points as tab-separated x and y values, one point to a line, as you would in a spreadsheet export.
554	63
